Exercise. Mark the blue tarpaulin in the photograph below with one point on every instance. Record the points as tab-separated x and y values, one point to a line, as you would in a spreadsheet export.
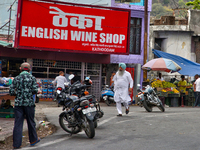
189	68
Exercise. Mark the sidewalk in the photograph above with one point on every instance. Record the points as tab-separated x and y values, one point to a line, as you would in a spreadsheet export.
7	124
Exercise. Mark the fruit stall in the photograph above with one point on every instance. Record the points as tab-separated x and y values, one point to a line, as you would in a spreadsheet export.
170	95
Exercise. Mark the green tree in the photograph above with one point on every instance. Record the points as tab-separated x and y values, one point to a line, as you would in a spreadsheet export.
157	10
181	3
195	3
166	2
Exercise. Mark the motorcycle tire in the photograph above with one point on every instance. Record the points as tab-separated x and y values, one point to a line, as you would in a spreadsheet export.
146	106
161	107
63	119
107	102
95	124
89	130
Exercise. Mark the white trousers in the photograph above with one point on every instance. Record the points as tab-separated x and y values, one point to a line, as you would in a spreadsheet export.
119	106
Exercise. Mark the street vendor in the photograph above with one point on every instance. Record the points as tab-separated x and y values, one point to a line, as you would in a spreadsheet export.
182	88
160	77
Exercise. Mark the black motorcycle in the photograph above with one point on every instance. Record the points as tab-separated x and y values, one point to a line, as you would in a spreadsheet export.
78	114
80	90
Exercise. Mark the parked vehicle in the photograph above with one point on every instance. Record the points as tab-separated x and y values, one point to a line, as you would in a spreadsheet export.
78	113
108	95
80	90
149	98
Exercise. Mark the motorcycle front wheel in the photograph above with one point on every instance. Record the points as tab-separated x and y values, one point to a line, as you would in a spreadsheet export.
95	124
161	107
65	122
89	129
147	106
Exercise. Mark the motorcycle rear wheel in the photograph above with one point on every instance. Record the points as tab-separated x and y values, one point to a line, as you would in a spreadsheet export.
107	102
147	106
64	121
89	130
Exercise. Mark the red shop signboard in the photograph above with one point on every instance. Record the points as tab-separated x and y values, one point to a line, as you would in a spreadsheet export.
65	27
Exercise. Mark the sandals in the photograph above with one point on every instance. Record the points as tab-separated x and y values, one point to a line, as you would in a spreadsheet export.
127	111
33	143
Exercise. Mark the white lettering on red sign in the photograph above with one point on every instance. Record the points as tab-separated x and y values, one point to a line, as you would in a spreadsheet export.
78	20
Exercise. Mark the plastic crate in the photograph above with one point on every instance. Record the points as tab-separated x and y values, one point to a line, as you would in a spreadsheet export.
173	95
174	101
191	94
167	101
191	99
7	113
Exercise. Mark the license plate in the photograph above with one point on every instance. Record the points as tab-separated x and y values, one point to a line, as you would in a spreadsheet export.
88	110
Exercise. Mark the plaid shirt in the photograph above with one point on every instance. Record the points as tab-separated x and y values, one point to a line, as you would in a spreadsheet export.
24	86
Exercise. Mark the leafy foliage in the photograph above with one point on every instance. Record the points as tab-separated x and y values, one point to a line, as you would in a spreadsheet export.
195	3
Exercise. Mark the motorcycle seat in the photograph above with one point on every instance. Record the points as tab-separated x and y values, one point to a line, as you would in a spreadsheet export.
89	96
83	98
74	98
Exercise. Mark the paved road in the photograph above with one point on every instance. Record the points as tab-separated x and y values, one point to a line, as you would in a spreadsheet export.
175	129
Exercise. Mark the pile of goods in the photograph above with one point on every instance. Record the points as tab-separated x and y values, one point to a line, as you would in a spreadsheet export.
165	87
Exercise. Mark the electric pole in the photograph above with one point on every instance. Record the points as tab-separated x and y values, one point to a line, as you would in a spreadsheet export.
145	37
10	9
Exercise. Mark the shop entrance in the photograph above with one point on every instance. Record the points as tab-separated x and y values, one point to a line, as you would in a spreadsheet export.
49	69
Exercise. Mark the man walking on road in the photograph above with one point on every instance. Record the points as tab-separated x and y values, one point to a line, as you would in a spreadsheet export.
123	84
23	87
197	90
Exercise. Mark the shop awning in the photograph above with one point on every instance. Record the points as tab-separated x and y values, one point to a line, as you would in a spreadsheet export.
3	43
189	68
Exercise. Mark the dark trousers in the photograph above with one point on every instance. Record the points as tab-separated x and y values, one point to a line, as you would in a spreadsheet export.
197	99
22	112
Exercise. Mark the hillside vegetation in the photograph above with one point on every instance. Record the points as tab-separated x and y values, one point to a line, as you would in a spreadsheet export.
164	8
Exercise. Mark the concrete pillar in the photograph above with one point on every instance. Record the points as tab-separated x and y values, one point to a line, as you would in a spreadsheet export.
136	80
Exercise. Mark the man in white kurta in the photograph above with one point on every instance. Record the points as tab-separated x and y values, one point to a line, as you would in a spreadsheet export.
123	84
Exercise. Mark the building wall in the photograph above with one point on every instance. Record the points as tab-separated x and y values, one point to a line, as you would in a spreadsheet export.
194	21
177	43
137	12
175	40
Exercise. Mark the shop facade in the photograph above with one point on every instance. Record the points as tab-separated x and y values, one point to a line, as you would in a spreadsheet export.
47	63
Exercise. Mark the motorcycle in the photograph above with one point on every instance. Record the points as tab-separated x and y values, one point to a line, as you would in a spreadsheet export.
108	95
78	114
80	90
149	98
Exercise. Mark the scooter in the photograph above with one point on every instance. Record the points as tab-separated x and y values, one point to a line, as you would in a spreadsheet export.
108	95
